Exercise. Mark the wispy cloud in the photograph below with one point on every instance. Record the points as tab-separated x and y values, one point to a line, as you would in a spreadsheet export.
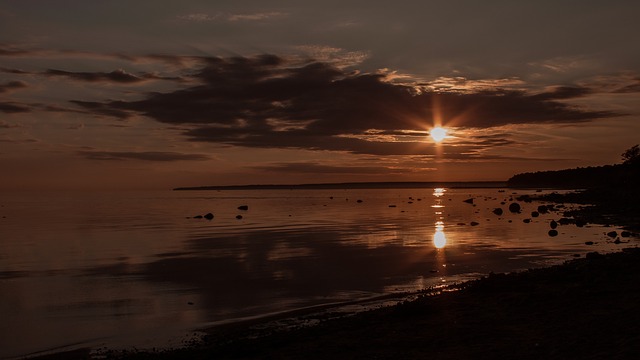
634	87
6	125
462	84
318	168
198	17
12	85
142	155
13	107
118	76
332	55
12	50
256	16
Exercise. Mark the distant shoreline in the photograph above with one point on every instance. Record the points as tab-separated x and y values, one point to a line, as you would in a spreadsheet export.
356	185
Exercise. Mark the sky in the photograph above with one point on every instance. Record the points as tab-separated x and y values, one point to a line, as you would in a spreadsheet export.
161	94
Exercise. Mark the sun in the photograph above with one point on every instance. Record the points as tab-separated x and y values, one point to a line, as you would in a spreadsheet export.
438	134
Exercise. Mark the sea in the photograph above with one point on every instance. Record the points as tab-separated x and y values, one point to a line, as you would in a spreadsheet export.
146	269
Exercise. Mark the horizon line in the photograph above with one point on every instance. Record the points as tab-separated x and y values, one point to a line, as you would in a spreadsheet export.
352	185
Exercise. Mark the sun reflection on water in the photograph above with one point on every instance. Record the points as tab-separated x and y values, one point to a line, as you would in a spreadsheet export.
439	238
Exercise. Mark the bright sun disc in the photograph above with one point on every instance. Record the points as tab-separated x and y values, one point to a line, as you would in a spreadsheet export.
438	134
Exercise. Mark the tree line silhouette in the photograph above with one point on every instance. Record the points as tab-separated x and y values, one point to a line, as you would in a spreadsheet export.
623	175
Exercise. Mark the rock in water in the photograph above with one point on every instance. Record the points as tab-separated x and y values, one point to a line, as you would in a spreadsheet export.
535	214
542	209
514	207
208	216
497	211
468	201
473	223
526	221
612	234
553	224
239	217
565	221
243	207
553	232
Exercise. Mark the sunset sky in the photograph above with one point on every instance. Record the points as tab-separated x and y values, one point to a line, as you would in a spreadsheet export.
160	94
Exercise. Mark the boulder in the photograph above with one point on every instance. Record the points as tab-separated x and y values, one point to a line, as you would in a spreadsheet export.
553	224
542	209
535	214
497	211
514	207
468	201
238	217
526	221
553	232
243	207
208	216
612	234
473	223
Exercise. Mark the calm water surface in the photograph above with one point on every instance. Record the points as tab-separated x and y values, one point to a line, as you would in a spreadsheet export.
136	269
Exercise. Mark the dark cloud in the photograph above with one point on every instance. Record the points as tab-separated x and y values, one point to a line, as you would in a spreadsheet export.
14	71
270	102
145	155
117	76
98	109
564	92
12	85
9	50
13	108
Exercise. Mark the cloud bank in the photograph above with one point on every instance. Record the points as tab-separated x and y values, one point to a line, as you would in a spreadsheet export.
268	101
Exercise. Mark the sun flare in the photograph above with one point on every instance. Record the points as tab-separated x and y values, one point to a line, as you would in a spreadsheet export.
438	134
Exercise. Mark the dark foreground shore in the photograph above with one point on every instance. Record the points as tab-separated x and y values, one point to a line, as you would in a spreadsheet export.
584	309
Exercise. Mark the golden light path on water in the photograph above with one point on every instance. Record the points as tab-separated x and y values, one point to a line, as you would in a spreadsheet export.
439	237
